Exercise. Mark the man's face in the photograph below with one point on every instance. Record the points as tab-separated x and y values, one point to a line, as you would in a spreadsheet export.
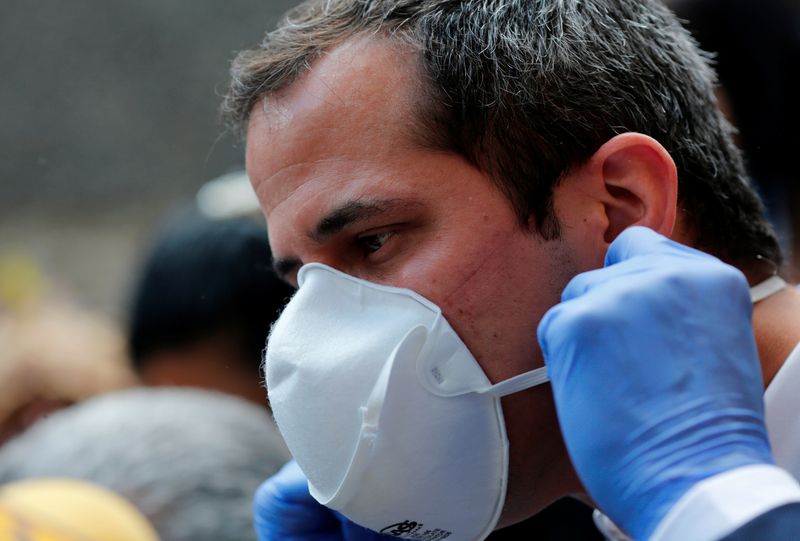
342	181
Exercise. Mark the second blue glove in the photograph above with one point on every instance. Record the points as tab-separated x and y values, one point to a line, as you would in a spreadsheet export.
285	511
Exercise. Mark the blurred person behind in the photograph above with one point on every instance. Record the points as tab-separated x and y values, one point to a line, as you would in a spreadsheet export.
757	54
203	305
53	352
189	460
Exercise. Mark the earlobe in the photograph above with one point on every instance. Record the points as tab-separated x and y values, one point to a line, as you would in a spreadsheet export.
640	184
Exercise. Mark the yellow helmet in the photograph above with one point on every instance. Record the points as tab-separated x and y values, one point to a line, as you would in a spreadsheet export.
68	510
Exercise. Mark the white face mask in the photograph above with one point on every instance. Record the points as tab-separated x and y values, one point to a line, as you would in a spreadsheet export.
386	411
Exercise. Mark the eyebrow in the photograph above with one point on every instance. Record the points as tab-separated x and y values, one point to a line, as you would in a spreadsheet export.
345	215
348	214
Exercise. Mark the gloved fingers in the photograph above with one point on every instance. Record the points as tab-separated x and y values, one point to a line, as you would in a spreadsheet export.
634	250
569	330
640	241
640	260
283	509
661	283
289	485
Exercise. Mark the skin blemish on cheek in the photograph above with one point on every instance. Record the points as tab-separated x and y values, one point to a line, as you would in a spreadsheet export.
486	263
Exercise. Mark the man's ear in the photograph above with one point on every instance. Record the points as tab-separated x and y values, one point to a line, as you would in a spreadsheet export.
639	182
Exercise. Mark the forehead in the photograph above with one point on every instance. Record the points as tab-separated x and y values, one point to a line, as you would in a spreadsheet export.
356	103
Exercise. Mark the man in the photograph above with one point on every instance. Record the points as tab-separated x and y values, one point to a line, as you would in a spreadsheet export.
482	154
666	428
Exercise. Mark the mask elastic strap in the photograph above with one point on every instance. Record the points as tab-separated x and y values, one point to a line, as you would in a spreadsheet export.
767	288
523	381
538	376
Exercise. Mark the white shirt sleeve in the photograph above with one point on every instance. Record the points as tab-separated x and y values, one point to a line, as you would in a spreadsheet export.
724	503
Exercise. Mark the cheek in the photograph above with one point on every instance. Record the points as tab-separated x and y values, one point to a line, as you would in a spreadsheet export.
457	274
494	295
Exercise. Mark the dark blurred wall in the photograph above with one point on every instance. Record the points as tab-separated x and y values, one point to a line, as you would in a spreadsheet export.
109	118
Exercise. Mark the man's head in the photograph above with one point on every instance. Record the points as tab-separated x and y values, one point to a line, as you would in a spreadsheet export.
202	307
189	460
482	154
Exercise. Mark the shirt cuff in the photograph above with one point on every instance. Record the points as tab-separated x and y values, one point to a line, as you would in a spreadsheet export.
721	504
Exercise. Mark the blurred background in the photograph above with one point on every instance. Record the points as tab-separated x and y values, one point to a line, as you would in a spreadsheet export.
114	273
109	121
122	261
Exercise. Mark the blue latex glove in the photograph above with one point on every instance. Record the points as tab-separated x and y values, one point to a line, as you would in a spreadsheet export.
285	511
655	376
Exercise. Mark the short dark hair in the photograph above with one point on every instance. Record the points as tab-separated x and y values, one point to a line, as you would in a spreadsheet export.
201	277
528	89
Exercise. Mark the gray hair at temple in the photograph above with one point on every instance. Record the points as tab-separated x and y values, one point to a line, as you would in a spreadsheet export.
527	89
190	460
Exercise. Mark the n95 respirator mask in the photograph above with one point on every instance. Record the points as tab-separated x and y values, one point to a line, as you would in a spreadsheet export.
386	411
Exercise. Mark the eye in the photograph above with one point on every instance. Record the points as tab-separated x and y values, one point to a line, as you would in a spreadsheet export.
373	242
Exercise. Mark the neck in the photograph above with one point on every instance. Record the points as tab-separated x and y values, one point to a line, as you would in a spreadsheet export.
776	323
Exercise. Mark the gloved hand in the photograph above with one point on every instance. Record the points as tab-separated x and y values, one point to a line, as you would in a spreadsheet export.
285	511
655	376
